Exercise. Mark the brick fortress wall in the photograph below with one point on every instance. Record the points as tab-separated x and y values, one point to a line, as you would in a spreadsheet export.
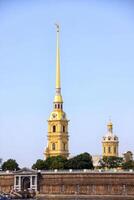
81	183
6	182
87	183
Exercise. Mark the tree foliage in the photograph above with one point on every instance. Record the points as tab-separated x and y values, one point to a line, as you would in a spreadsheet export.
128	165
57	162
111	162
39	165
82	161
10	164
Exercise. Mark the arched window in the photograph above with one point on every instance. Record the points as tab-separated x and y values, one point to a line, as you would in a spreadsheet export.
109	138
104	150
114	149
53	146
109	149
63	128
54	128
58	106
61	106
55	106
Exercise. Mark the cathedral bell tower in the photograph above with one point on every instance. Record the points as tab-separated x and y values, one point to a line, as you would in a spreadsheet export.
57	122
110	142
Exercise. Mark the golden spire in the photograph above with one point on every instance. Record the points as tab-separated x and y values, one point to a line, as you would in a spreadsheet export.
57	59
58	97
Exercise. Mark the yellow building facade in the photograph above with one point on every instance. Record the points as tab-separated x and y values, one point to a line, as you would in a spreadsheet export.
57	122
110	142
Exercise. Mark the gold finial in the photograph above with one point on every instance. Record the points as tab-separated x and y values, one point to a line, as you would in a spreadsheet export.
110	125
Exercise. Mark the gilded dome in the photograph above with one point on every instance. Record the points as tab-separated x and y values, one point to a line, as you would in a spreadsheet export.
110	136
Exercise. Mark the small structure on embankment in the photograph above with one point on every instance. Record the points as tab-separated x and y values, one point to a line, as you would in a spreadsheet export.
21	183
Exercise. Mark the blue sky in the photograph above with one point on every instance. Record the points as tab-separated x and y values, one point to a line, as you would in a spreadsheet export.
97	73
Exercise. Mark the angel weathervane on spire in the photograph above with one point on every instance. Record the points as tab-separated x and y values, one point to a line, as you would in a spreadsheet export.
57	27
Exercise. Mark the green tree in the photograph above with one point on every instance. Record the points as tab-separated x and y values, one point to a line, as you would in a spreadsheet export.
128	165
39	165
111	162
82	161
10	164
57	162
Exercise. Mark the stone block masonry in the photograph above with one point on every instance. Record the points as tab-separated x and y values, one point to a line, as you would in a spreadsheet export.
6	182
87	183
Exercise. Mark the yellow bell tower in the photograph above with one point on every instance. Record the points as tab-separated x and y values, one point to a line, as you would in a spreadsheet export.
57	122
110	142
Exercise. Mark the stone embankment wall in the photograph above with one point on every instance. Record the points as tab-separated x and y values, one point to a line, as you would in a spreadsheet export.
6	182
78	183
87	183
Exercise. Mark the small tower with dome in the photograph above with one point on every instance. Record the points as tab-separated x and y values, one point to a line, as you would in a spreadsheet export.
57	123
110	142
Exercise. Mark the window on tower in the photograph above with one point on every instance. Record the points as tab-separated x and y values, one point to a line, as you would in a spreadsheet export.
54	128
55	106
109	149
104	150
109	138
58	106
115	138
114	149
64	146
63	128
53	146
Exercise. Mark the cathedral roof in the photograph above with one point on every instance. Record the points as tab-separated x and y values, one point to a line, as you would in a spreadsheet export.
110	136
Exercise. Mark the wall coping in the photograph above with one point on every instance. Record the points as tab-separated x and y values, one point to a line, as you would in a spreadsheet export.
85	171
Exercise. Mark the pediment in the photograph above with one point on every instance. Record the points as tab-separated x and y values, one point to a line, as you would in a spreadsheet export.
26	170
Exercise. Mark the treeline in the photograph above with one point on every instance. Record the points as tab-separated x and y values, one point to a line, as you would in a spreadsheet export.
113	162
82	161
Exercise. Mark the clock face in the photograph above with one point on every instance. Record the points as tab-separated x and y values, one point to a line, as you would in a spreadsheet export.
54	115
